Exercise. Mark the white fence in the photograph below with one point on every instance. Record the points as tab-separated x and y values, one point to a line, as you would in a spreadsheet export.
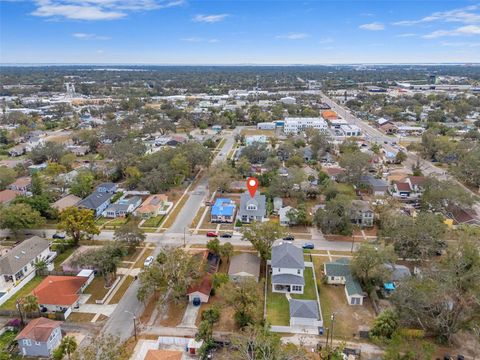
13	290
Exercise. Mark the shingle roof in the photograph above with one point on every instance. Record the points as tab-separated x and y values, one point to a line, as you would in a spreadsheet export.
304	309
244	262
258	200
22	254
203	286
152	203
59	290
288	279
94	200
38	329
286	255
341	267
66	201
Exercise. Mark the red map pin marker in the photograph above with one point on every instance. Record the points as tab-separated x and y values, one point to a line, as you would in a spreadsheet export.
252	185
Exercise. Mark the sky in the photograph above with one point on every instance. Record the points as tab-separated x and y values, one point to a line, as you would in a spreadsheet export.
239	31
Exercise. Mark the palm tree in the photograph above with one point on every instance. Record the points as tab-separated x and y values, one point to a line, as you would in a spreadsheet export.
30	304
41	265
68	345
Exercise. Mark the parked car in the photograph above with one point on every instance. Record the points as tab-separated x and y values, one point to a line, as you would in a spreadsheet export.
208	203
308	245
289	238
226	235
212	234
148	261
59	236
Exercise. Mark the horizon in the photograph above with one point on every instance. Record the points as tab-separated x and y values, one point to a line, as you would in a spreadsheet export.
239	33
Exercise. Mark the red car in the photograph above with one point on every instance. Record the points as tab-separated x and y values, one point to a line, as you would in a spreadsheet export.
212	234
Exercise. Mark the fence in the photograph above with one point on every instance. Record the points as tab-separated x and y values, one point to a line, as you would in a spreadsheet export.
33	315
57	273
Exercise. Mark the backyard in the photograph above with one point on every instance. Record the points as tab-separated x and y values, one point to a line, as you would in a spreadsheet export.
278	309
10	304
6	339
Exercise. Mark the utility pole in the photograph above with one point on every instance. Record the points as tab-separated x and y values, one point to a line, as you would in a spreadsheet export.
134	323
331	333
184	239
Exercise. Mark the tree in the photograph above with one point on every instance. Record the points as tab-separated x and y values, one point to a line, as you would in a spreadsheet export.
18	217
172	273
400	157
243	297
67	346
37	184
256	153
355	165
212	314
103	347
130	234
335	218
213	246
226	251
220	177
82	186
368	264
7	176
262	236
444	299
50	151
104	259
78	223
385	325
258	342
468	166
41	203
320	144
30	304
441	195
417	238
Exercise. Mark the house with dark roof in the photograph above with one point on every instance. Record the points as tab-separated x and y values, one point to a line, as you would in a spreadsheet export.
408	188
98	201
19	263
223	211
252	208
339	273
361	213
39	338
287	266
244	266
201	289
107	187
377	187
304	313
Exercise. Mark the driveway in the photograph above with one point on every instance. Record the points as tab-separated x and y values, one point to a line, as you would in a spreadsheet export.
190	316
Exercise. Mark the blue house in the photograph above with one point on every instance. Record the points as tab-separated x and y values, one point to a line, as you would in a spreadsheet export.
39	338
223	211
97	202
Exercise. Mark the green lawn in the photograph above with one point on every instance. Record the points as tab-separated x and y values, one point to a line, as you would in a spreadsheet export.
5	340
96	289
154	221
309	290
27	289
278	309
62	257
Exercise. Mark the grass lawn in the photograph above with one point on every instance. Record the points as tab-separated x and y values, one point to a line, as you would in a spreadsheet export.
5	340
141	260
80	317
102	220
278	309
197	217
175	211
154	221
27	289
121	290
96	289
309	290
57	262
173	314
133	256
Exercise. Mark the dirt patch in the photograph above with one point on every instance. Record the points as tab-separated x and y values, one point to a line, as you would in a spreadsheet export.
80	317
173	313
149	308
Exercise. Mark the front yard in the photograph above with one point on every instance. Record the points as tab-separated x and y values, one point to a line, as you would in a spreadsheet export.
96	289
153	222
10	304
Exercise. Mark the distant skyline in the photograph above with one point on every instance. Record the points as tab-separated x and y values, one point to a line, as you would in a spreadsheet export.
200	32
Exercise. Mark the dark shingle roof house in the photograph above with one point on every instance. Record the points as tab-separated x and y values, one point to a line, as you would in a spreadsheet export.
22	254
252	209
286	255
244	265
96	201
307	309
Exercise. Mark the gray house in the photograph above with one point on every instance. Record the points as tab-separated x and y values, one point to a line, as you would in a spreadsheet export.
361	213
283	213
252	209
98	201
304	313
377	187
123	207
287	268
244	266
39	338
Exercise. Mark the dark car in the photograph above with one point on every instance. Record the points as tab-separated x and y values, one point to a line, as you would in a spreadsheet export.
226	235
289	238
212	234
309	246
58	236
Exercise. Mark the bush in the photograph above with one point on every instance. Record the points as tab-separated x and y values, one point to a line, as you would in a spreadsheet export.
238	223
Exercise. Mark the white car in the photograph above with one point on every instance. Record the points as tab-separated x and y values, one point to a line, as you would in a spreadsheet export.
148	261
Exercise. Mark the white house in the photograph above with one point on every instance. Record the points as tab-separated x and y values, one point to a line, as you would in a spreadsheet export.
287	268
294	125
266	126
339	273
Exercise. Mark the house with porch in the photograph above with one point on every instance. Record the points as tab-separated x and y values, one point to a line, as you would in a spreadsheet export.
287	266
361	213
252	208
123	207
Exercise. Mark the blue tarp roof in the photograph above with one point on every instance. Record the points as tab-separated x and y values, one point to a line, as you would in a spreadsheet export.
389	286
223	207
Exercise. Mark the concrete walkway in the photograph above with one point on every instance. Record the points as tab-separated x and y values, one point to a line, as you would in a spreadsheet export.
96	309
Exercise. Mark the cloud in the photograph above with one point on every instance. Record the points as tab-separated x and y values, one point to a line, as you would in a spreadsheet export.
85	36
460	44
97	9
200	40
464	15
467	30
375	26
325	41
293	36
209	18
406	35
